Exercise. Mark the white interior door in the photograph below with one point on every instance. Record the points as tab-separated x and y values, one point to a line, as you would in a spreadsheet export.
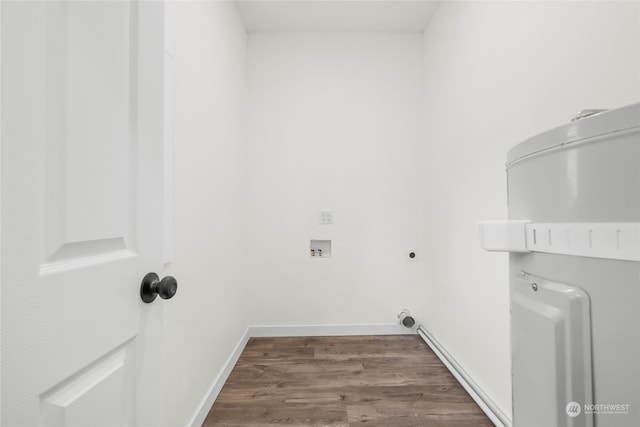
82	129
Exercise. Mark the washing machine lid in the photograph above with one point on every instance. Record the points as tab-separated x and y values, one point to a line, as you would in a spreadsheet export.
581	130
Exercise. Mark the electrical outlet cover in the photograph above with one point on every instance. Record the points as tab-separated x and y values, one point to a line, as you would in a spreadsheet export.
326	217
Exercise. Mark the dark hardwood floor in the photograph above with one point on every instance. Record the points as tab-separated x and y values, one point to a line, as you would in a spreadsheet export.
377	381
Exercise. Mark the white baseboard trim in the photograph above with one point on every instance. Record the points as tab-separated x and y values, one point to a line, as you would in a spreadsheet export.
214	390
486	404
285	331
329	330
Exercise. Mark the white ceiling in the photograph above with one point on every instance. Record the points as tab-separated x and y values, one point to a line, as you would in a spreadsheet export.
336	15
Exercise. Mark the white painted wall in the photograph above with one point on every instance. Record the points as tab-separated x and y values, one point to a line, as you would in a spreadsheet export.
207	42
495	74
335	122
403	136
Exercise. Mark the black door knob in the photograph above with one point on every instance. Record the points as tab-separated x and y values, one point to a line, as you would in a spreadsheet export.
152	286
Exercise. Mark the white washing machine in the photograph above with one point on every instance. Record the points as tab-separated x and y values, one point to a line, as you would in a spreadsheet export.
574	238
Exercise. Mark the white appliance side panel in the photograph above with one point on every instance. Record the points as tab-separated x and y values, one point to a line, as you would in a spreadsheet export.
551	351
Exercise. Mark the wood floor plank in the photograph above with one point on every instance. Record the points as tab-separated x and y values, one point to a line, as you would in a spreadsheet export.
385	381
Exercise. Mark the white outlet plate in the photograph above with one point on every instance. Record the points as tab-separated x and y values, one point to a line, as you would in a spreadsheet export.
326	217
